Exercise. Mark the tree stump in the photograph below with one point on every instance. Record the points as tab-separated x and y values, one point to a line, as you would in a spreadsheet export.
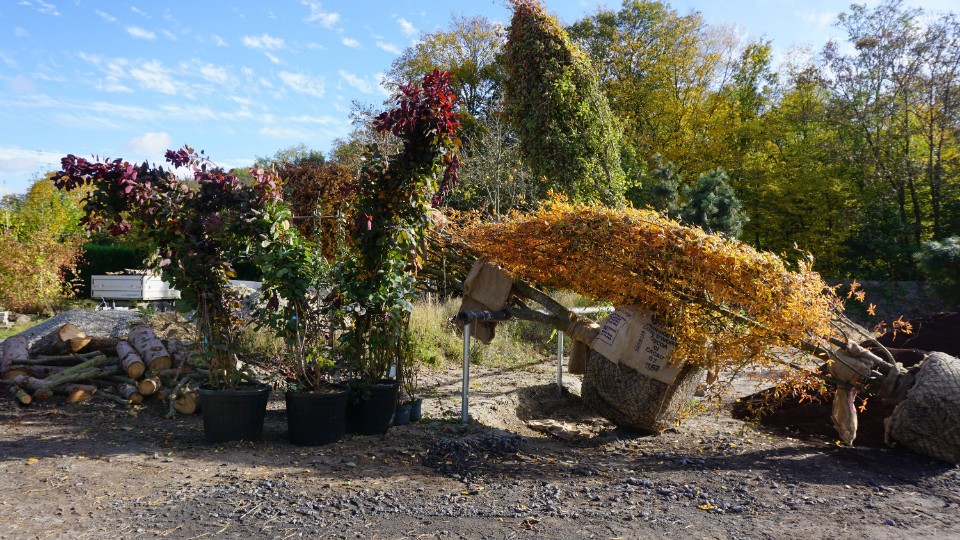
634	401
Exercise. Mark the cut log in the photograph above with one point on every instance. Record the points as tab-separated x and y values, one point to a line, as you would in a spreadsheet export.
187	403
104	344
150	348
129	392
130	361
149	385
14	351
67	339
22	396
77	392
38	371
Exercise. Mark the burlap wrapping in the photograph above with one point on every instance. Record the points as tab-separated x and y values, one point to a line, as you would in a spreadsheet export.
584	332
486	288
636	339
633	400
928	419
853	366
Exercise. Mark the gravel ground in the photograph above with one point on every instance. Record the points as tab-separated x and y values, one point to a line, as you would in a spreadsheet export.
532	464
113	322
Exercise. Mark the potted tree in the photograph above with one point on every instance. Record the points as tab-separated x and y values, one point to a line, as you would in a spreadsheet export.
395	199
197	231
296	278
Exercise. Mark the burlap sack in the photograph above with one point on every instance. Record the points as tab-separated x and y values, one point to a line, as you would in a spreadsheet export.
928	419
636	339
633	400
486	288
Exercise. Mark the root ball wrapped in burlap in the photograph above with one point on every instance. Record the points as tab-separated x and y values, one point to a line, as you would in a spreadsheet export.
928	419
634	401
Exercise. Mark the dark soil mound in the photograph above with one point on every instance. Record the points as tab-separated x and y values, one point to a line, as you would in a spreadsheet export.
938	332
812	419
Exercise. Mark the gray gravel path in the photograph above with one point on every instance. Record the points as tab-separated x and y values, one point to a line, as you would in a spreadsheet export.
93	323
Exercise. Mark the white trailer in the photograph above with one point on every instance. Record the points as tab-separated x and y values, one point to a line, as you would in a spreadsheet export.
131	289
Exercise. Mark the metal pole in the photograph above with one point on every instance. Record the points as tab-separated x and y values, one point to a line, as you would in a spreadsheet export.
464	393
560	362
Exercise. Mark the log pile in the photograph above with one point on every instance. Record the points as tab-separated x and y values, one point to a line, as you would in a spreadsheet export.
127	371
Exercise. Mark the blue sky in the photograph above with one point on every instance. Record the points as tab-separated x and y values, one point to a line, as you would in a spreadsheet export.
244	79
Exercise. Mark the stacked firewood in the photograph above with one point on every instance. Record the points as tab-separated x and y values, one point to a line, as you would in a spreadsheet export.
68	362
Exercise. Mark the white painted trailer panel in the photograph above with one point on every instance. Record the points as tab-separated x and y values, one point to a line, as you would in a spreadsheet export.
132	287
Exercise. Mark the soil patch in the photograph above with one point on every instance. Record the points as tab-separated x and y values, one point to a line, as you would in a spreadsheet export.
95	470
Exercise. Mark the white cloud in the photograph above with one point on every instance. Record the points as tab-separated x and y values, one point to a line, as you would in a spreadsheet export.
273	58
304	84
316	46
141	33
350	42
114	71
153	76
326	19
358	82
820	19
407	28
41	6
106	16
219	41
214	74
21	84
389	47
20	32
8	60
169	35
286	132
139	11
264	42
149	145
264	82
17	164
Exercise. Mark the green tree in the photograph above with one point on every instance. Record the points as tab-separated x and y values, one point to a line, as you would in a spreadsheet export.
468	49
712	204
553	99
297	154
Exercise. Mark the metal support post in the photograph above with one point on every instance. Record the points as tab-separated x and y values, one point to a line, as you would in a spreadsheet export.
560	362
465	392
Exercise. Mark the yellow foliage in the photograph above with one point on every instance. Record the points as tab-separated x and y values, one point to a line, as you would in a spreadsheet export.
726	303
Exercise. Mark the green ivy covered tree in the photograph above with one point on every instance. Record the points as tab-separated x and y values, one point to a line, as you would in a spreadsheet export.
553	99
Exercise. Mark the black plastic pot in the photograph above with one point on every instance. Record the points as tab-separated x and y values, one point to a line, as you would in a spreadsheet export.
416	410
371	407
402	416
233	415
315	418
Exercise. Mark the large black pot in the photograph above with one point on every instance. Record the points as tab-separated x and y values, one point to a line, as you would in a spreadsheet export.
233	415
371	407
315	418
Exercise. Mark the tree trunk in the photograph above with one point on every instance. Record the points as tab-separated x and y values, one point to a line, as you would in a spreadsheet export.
65	340
130	361
105	344
14	350
149	347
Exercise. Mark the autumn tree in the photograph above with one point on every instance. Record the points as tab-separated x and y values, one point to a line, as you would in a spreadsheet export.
468	48
553	99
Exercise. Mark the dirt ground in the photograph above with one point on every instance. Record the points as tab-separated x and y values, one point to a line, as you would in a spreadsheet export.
533	464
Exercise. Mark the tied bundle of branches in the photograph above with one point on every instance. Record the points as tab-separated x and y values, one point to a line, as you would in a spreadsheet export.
727	304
